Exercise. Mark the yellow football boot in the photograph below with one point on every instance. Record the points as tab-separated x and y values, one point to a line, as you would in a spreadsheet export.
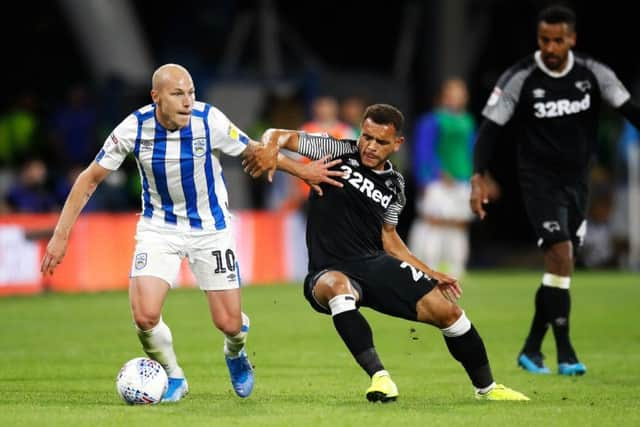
500	392
382	388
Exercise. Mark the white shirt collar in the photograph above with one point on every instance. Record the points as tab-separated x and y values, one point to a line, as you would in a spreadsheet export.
388	168
554	74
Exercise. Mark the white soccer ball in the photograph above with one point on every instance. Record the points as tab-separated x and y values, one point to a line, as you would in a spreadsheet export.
141	381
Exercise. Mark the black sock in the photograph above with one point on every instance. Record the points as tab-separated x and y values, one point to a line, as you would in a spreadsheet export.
539	325
558	305
356	334
468	349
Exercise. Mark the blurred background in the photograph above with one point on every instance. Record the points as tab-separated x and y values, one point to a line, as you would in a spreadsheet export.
75	68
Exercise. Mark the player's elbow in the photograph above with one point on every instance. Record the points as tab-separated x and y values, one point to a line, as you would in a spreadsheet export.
392	249
284	138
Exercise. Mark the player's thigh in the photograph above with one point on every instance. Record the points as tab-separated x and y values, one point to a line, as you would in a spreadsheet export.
547	208
146	296
433	308
157	254
225	307
389	285
212	258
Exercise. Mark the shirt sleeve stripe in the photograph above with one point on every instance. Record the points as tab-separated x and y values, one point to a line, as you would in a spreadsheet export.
315	147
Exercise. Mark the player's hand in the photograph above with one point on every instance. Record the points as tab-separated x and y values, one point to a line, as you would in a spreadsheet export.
479	195
261	157
448	285
56	248
319	171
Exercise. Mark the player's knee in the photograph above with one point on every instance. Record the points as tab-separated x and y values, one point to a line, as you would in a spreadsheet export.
434	309
449	315
146	319
331	284
227	324
559	258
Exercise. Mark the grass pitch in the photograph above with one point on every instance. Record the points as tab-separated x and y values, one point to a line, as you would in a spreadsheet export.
59	355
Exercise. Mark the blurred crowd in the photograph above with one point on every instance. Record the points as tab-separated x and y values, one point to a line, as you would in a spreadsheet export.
43	148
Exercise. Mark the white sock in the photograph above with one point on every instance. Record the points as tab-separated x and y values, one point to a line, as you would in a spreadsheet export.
157	342
233	345
341	303
486	389
382	373
458	328
555	281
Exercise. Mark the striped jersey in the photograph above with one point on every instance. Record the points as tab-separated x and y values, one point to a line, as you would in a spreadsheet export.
556	113
346	223
183	185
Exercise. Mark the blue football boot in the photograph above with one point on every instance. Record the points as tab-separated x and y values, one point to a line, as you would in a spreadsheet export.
241	373
572	369
533	363
177	389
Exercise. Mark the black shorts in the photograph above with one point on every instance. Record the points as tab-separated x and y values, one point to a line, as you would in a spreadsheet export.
556	209
384	283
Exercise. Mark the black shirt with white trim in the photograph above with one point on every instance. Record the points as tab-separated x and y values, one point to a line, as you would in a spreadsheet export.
555	114
346	223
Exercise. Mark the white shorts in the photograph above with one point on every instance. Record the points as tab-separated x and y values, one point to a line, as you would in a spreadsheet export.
212	256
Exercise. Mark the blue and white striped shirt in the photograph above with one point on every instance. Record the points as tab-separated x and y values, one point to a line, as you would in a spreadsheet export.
182	181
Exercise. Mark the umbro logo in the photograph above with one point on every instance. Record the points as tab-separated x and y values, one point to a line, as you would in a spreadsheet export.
389	184
538	93
146	144
583	85
353	162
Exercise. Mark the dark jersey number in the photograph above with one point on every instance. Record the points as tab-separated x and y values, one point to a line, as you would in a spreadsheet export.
229	260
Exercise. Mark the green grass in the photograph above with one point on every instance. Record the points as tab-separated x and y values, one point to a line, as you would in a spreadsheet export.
59	355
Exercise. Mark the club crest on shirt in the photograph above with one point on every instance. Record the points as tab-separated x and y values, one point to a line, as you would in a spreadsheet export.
538	93
199	146
353	162
583	85
389	184
551	226
141	261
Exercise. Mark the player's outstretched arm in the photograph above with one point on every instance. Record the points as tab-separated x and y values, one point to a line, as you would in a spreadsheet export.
284	138
313	173
263	156
395	246
259	158
80	193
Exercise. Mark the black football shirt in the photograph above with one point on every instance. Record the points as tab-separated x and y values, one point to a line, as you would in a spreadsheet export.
345	223
555	114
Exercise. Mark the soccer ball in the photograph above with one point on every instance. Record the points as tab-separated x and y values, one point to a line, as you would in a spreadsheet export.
141	381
